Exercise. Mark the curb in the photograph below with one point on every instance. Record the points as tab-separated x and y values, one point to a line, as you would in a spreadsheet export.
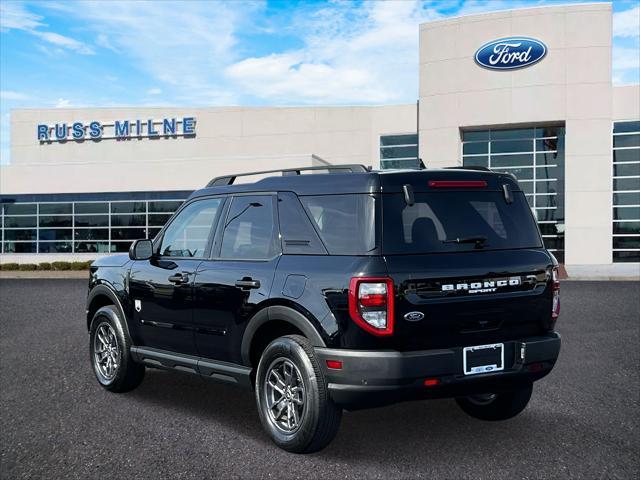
46	274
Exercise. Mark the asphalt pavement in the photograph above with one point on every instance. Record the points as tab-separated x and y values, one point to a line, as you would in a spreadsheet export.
57	422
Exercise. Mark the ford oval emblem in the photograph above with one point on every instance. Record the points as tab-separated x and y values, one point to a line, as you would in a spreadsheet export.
413	316
510	53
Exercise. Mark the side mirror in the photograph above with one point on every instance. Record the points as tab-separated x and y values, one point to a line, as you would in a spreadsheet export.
141	249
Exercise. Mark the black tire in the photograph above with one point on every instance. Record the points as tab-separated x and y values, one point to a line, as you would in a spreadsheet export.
126	374
494	407
319	419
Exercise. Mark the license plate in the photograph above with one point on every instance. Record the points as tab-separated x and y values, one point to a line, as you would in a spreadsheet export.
483	359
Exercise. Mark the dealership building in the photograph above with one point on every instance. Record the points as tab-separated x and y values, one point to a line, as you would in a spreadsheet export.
526	91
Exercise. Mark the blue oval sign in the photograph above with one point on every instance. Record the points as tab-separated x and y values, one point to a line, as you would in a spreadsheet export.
510	53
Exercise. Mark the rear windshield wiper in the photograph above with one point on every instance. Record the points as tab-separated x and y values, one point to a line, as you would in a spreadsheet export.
478	240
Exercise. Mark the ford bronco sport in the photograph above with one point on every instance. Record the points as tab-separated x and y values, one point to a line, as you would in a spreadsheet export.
340	288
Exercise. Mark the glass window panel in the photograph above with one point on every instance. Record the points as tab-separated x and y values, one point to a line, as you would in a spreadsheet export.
30	234
549	228
56	208
549	215
159	219
188	233
529	200
626	227
629	155
475	161
55	247
474	148
61	221
554	243
128	220
92	247
128	233
626	140
626	170
511	146
549	144
161	206
399	152
526	187
128	207
20	208
629	256
548	200
91	207
547	172
153	232
546	187
555	158
389	164
249	232
512	134
92	220
626	183
624	127
17	222
120	247
18	247
410	139
559	255
521	160
91	234
520	173
549	132
626	242
56	234
626	213
475	135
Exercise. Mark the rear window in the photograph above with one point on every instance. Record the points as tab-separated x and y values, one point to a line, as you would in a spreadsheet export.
436	219
346	223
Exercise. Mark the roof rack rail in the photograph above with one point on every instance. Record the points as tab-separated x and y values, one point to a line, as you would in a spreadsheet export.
347	168
471	167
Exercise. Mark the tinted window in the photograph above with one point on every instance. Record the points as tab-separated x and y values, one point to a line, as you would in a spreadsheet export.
436	218
188	234
249	231
298	235
346	223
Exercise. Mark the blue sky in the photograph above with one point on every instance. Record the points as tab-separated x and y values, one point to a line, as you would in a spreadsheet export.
194	53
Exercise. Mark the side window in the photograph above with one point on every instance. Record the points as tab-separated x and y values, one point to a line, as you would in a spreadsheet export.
298	235
188	233
249	230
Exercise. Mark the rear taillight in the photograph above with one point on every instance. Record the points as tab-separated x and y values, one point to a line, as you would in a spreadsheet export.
371	304
555	307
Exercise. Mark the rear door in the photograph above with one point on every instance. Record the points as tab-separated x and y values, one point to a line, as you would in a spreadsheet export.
469	267
230	285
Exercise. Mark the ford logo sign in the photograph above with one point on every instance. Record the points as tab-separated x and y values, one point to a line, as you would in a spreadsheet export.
414	316
510	53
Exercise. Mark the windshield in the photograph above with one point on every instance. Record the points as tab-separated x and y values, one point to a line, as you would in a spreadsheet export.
455	221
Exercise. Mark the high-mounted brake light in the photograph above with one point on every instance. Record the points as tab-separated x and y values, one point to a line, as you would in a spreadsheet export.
555	307
371	304
457	183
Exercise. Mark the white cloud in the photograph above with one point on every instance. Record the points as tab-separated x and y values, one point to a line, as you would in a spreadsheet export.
13	16
365	53
103	41
154	91
62	103
627	23
13	95
626	65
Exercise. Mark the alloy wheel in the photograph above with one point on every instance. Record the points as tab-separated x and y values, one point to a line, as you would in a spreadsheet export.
284	395
106	351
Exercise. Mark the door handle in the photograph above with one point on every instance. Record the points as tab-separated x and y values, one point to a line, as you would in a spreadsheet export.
248	283
179	278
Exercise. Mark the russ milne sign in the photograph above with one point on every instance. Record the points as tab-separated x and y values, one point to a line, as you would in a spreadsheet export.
120	129
510	53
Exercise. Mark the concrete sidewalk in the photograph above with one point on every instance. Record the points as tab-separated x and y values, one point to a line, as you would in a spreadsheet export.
45	274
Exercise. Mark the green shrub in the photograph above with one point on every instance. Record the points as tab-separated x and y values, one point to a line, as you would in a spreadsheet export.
80	265
28	267
10	266
60	265
44	266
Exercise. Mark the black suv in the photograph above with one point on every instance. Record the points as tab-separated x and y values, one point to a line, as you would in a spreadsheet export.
340	288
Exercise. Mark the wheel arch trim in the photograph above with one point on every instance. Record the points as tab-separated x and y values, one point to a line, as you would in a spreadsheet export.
106	291
283	314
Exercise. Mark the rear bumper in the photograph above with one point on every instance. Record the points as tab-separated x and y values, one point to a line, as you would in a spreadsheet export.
374	378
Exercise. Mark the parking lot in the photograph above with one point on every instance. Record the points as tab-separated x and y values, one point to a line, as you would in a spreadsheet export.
583	420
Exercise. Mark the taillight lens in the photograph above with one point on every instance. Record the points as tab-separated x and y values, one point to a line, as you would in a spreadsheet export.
371	304
555	307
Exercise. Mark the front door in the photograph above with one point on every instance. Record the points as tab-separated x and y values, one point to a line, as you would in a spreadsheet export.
230	286
161	288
